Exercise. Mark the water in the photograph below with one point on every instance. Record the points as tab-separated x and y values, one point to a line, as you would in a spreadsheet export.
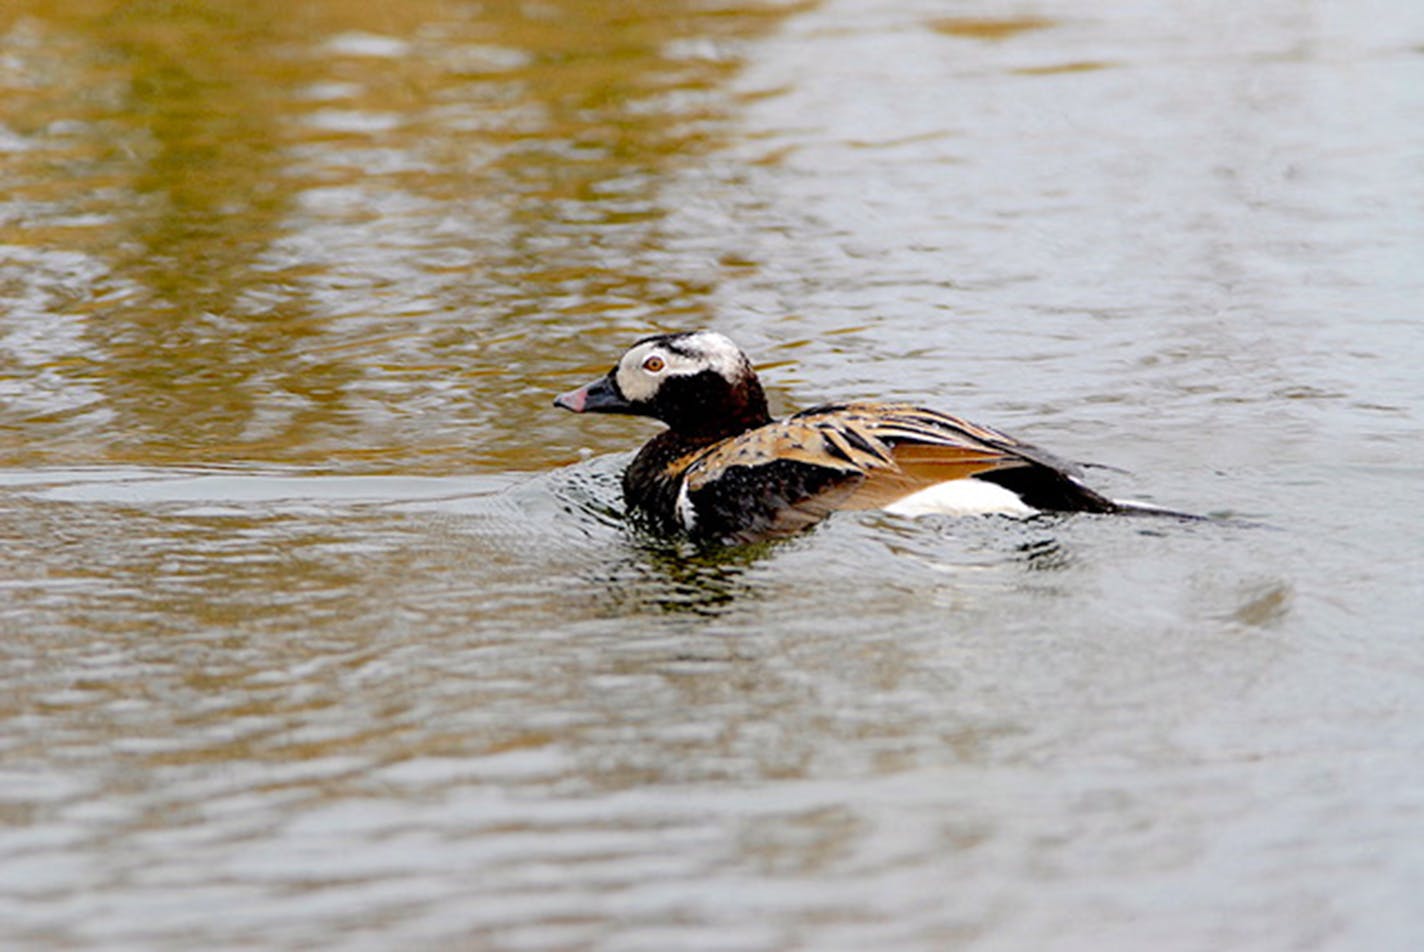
321	628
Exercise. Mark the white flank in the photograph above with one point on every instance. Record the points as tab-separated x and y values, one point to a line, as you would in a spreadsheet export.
683	508
961	497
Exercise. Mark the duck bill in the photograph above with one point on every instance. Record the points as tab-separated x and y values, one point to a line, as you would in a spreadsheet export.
601	396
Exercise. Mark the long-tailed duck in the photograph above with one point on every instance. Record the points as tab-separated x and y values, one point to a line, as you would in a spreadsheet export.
725	471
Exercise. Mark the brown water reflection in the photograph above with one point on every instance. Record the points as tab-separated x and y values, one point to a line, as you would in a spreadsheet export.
241	175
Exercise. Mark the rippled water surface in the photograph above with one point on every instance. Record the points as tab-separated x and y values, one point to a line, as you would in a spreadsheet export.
320	628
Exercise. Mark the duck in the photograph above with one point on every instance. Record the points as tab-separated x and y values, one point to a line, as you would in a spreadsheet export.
725	471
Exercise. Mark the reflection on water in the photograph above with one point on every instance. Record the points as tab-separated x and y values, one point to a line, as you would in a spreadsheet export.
326	236
377	689
318	626
684	577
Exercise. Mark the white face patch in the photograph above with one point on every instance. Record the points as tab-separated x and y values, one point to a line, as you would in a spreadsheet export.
645	366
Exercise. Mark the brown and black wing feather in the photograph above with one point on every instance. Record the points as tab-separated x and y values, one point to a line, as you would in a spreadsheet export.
787	475
922	440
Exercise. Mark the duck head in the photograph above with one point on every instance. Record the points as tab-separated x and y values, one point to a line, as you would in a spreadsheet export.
697	382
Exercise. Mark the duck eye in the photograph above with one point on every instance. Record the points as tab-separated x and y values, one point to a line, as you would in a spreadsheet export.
654	365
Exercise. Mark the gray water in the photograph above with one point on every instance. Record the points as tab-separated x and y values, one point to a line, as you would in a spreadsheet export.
320	628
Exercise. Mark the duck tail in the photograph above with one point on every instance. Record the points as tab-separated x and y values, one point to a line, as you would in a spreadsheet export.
1133	507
